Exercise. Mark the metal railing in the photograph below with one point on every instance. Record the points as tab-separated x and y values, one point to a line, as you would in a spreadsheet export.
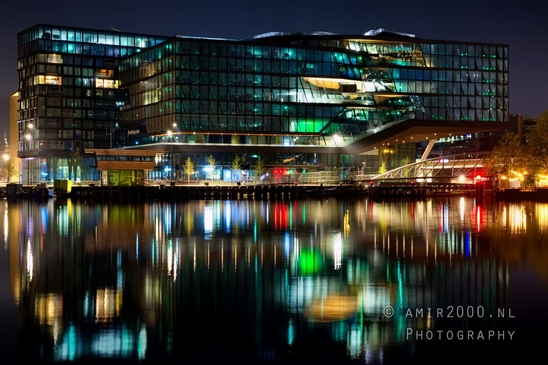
464	164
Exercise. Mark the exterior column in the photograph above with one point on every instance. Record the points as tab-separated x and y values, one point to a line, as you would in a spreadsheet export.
428	149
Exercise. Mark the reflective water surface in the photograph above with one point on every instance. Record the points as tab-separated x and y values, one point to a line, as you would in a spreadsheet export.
309	281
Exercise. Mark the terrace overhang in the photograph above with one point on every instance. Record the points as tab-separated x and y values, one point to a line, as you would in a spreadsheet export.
413	130
409	131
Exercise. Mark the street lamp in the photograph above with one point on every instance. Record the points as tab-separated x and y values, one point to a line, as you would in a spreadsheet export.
28	138
170	134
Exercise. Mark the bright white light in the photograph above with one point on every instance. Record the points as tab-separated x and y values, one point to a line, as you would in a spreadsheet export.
208	220
30	260
337	251
169	258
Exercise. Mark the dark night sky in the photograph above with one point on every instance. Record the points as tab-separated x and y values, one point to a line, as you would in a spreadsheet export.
519	23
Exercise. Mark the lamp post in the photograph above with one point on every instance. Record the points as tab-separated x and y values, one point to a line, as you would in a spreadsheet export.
28	138
170	134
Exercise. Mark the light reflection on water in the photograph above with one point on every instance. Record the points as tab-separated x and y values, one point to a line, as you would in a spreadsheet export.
260	280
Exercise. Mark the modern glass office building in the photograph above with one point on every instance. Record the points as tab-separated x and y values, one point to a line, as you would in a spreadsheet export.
307	99
69	97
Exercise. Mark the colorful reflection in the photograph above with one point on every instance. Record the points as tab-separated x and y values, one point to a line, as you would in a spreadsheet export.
136	281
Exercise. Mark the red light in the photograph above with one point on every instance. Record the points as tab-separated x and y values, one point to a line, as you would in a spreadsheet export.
279	171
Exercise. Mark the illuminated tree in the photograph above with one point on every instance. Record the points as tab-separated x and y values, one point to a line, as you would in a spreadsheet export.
211	163
189	168
236	163
537	140
260	169
406	170
384	157
8	161
508	155
382	167
9	165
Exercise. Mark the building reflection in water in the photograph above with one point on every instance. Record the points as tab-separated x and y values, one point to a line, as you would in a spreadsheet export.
173	280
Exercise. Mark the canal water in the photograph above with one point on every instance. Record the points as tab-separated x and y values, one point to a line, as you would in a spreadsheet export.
273	282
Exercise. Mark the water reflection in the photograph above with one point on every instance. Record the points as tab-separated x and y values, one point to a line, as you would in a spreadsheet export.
213	280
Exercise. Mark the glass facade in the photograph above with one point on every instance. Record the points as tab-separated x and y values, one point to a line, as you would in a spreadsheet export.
311	87
95	89
69	95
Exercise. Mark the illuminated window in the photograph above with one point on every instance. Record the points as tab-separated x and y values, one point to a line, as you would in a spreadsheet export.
110	84
49	80
54	58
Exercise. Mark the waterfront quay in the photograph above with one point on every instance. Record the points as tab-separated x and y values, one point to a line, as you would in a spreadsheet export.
187	192
275	191
240	191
